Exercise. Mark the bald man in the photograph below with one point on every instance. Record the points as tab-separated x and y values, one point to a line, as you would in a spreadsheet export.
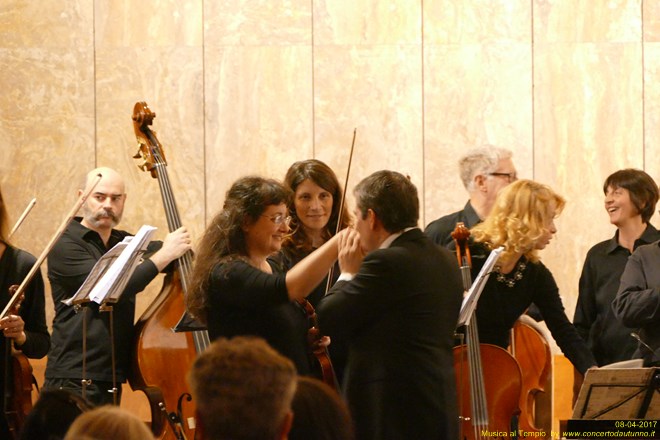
72	258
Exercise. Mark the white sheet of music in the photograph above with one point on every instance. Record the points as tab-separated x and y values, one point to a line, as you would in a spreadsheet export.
111	273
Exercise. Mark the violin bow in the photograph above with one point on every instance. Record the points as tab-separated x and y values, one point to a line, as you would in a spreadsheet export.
341	208
18	293
27	210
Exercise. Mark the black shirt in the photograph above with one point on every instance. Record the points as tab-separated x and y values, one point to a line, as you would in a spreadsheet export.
244	300
500	305
70	261
439	231
15	264
608	338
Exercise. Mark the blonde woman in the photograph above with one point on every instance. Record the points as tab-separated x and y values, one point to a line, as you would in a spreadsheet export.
522	221
108	423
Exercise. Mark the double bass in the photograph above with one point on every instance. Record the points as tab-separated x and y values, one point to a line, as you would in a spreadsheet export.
488	377
162	355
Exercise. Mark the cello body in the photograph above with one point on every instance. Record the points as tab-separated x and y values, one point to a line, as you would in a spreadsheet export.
502	382
532	351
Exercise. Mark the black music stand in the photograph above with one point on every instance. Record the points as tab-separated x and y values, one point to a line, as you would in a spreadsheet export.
613	400
104	285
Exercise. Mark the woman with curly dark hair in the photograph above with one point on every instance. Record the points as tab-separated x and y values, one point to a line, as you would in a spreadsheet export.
235	290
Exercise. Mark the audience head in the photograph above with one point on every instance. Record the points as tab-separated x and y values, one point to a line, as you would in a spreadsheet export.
630	186
52	415
387	201
319	413
108	423
522	219
253	219
243	389
316	202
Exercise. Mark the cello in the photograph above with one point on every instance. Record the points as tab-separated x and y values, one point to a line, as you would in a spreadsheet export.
488	377
532	351
163	354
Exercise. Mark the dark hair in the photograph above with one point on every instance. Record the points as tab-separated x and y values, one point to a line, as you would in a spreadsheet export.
392	196
323	176
319	413
52	415
642	188
4	221
224	238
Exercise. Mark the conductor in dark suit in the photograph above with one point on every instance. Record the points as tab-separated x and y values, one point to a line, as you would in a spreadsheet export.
395	305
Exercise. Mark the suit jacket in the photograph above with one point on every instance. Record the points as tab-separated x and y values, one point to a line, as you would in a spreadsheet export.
398	317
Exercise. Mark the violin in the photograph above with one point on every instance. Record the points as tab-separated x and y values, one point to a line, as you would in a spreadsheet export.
18	381
314	335
320	352
167	338
488	377
18	397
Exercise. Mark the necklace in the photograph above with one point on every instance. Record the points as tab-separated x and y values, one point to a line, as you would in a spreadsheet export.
517	275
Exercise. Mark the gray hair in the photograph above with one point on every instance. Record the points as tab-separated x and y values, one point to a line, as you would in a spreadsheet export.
483	160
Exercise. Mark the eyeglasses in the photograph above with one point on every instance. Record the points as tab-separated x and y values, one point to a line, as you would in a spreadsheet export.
511	177
278	219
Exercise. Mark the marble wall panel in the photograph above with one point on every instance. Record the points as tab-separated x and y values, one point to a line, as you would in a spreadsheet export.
257	22
588	107
652	114
258	107
378	91
148	23
476	21
587	21
651	20
474	94
367	22
47	132
25	24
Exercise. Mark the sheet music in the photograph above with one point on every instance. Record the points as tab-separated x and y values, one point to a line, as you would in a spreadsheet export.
471	299
109	276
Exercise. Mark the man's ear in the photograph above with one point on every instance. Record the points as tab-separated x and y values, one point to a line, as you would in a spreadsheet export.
287	422
480	182
372	219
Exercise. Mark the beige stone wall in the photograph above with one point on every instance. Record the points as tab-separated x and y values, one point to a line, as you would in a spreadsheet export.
249	86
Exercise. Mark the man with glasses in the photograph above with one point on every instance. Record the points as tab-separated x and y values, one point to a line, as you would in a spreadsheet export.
484	172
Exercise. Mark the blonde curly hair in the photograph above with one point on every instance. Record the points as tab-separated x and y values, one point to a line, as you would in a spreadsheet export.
520	217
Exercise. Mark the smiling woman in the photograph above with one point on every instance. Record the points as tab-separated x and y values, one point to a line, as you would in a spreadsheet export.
630	199
235	290
315	213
